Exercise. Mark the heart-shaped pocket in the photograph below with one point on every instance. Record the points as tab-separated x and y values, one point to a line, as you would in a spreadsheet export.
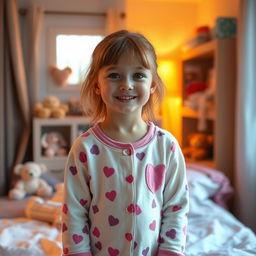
60	76
155	176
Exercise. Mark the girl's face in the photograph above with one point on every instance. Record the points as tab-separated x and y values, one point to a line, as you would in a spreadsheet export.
125	87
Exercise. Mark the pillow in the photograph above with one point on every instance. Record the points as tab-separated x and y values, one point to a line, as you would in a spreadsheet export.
200	185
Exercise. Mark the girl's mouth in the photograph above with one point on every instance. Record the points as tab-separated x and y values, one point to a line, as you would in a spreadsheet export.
125	98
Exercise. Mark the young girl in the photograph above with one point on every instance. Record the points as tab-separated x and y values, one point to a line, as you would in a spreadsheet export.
125	178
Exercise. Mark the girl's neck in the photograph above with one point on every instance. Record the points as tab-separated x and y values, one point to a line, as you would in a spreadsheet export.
124	130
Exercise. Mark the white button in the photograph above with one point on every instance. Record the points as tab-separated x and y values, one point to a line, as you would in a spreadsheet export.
126	152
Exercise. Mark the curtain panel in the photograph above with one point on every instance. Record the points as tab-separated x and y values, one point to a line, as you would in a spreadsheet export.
245	176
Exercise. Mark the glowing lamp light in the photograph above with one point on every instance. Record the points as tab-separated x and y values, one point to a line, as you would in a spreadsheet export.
167	70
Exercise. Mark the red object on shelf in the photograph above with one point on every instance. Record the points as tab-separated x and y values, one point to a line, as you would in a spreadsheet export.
195	87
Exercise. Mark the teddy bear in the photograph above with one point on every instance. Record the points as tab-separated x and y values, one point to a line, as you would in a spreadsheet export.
30	182
200	146
50	107
53	144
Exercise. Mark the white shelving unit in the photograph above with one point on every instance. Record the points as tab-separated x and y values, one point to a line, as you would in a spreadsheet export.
69	127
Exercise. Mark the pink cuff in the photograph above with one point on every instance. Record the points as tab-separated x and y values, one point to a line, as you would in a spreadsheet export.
168	253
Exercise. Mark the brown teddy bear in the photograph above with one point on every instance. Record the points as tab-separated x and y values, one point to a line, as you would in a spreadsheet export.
30	182
200	146
50	107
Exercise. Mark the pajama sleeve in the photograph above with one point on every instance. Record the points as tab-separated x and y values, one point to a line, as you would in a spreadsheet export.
76	202
175	207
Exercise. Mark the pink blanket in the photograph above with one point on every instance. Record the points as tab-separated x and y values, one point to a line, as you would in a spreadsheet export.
225	191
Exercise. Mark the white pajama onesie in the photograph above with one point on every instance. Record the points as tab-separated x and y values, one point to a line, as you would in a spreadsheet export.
125	199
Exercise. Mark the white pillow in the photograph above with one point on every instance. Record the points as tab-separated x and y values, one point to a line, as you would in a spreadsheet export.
200	185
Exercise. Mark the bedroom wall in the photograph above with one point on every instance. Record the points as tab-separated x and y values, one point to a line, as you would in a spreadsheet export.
74	21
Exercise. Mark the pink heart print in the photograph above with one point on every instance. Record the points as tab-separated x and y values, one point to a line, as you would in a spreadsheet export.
86	134
152	225
111	195
171	233
155	176
65	209
85	229
64	227
95	209
145	252
113	252
77	238
153	203
98	245
95	150
96	232
129	236
173	147
134	209
82	157
176	208
113	221
65	250
73	170
129	179
140	156
108	171
83	202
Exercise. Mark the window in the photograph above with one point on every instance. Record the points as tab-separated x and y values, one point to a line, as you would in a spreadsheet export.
70	48
75	51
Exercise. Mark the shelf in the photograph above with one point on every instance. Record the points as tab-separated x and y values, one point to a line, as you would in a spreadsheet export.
69	128
190	113
200	51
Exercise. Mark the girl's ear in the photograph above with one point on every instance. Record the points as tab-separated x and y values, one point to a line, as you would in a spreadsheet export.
153	87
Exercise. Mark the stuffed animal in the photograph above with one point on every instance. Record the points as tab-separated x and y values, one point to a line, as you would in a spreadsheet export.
200	146
53	144
201	97
30	182
50	107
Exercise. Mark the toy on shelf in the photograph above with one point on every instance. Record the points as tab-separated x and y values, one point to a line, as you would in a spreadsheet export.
50	107
60	76
200	97
202	34
30	182
75	108
53	144
200	146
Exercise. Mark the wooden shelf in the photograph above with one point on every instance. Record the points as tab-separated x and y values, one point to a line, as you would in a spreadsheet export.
220	55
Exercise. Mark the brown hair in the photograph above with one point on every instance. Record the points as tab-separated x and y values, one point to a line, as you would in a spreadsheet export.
108	52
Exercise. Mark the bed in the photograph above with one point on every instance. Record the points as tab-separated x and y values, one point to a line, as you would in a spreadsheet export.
212	229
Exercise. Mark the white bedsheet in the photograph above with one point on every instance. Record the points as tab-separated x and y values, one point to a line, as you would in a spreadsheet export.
212	231
24	237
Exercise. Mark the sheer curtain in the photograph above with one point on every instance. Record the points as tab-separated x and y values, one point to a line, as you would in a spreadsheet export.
246	115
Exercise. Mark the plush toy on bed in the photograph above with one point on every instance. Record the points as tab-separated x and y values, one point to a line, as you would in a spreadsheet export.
30	182
200	146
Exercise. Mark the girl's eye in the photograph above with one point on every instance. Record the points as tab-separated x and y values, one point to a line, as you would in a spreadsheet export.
113	75
139	76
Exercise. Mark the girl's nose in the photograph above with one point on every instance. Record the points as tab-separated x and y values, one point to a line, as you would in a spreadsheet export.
126	84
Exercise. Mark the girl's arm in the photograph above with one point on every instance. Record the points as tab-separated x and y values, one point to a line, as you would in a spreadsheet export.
175	208
77	198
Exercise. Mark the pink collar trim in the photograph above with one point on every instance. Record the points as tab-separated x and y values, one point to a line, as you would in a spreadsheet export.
121	145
